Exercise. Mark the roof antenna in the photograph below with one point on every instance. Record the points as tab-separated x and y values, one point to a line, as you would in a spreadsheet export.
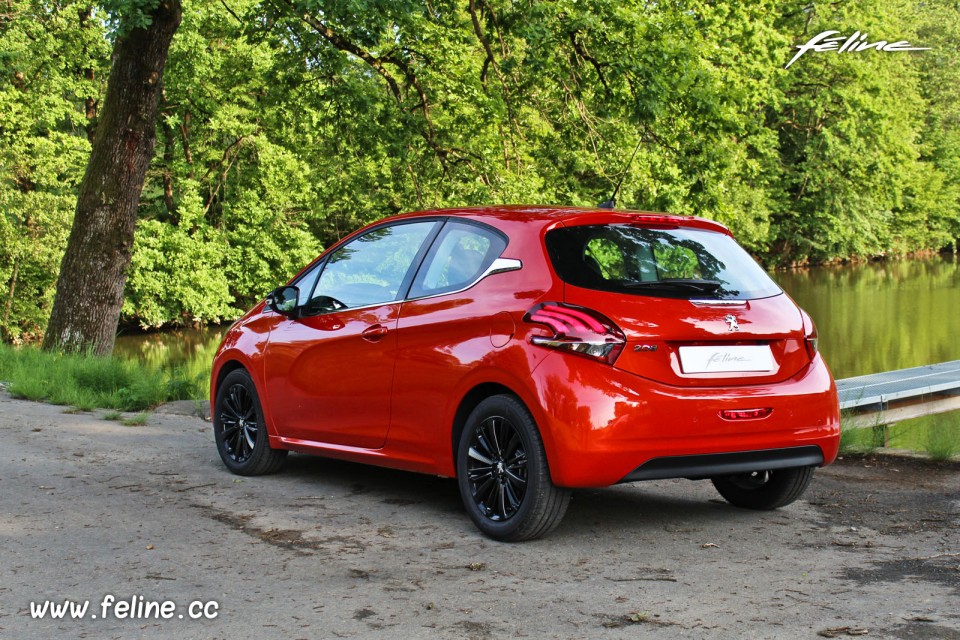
612	202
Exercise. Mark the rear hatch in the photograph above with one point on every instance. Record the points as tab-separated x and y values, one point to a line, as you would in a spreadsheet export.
694	307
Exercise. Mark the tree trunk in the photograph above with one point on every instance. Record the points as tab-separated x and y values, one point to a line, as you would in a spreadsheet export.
86	309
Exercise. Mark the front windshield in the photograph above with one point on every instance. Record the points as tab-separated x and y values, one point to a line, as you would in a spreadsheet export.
669	262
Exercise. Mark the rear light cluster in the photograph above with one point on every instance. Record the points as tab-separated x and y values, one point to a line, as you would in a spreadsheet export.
577	330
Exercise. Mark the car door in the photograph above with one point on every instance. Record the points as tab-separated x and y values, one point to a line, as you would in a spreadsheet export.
447	327
329	368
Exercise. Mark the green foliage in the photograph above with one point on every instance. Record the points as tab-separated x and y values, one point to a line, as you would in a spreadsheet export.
286	124
53	62
858	174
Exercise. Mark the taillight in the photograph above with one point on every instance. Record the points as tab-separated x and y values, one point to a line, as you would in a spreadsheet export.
577	330
810	338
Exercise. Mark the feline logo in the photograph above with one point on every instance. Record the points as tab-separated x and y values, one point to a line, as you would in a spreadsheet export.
855	43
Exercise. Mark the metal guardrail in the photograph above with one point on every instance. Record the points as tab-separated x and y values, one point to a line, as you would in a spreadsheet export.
886	387
892	396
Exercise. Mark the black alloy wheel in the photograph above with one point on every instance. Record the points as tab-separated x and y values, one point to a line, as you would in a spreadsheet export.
503	475
497	468
239	428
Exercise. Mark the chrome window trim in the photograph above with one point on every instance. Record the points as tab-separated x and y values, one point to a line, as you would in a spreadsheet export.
718	303
500	265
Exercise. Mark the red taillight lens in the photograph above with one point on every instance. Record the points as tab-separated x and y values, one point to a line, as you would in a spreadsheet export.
745	414
577	330
810	338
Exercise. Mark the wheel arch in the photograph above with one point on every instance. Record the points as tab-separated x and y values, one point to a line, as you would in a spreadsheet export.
468	403
225	369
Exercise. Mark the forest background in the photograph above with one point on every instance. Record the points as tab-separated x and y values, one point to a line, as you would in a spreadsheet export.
286	124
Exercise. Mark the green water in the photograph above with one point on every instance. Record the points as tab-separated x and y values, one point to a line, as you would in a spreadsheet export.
190	348
883	315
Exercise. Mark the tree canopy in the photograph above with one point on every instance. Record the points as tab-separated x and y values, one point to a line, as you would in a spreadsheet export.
285	124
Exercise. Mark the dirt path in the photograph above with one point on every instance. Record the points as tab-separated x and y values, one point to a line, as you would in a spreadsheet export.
92	508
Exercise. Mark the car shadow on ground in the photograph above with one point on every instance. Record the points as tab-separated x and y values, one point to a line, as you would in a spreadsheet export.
639	506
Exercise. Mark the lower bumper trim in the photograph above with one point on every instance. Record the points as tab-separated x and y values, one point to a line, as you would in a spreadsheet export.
708	465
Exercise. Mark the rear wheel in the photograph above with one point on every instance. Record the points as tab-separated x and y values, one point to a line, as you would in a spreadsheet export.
764	490
503	475
239	428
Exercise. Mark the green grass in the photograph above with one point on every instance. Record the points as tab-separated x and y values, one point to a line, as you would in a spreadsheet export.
861	439
135	421
938	436
88	382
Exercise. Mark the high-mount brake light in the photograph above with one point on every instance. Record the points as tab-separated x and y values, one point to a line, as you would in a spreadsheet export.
746	414
654	219
577	330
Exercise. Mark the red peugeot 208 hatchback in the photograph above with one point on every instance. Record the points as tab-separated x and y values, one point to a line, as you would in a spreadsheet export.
530	350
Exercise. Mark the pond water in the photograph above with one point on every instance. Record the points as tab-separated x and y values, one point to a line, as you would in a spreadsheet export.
192	349
881	316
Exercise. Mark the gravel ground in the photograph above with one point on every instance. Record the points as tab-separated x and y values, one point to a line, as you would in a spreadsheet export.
327	549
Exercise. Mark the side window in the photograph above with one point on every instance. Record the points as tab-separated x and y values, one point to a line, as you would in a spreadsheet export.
458	257
370	269
305	283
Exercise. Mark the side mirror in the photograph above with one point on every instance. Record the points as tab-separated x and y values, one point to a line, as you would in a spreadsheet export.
284	300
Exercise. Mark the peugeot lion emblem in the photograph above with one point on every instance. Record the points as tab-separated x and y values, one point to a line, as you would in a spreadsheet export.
732	321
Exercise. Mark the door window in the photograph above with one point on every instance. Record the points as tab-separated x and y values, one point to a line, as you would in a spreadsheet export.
371	269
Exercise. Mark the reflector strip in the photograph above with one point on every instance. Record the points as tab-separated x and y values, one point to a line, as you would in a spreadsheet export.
745	414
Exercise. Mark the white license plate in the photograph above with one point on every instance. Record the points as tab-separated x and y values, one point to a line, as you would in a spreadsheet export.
726	359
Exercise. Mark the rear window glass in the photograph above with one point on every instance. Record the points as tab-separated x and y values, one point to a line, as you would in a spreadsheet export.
668	262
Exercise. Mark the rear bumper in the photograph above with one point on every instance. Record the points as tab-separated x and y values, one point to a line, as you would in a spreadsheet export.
602	426
709	465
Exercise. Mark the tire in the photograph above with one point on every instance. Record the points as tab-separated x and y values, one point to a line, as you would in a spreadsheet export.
503	475
764	490
239	429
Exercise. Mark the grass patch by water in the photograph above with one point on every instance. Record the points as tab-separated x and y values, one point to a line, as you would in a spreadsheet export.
938	436
88	382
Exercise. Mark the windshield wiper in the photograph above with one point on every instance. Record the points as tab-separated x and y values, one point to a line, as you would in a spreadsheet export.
703	286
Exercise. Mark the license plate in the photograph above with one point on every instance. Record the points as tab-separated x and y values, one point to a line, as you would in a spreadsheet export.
732	359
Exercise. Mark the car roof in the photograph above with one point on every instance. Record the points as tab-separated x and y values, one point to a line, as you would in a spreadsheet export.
554	215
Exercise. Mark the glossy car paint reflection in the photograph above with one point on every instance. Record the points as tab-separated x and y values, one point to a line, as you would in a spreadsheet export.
393	384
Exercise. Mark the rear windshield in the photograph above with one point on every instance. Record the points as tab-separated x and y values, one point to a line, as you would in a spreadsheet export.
666	262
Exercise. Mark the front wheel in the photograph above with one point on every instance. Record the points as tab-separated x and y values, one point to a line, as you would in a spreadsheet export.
764	490
239	428
503	475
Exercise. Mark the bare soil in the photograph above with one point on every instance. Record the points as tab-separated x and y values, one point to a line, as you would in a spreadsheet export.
327	549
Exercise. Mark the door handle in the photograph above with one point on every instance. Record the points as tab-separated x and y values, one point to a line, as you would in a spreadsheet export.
374	333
